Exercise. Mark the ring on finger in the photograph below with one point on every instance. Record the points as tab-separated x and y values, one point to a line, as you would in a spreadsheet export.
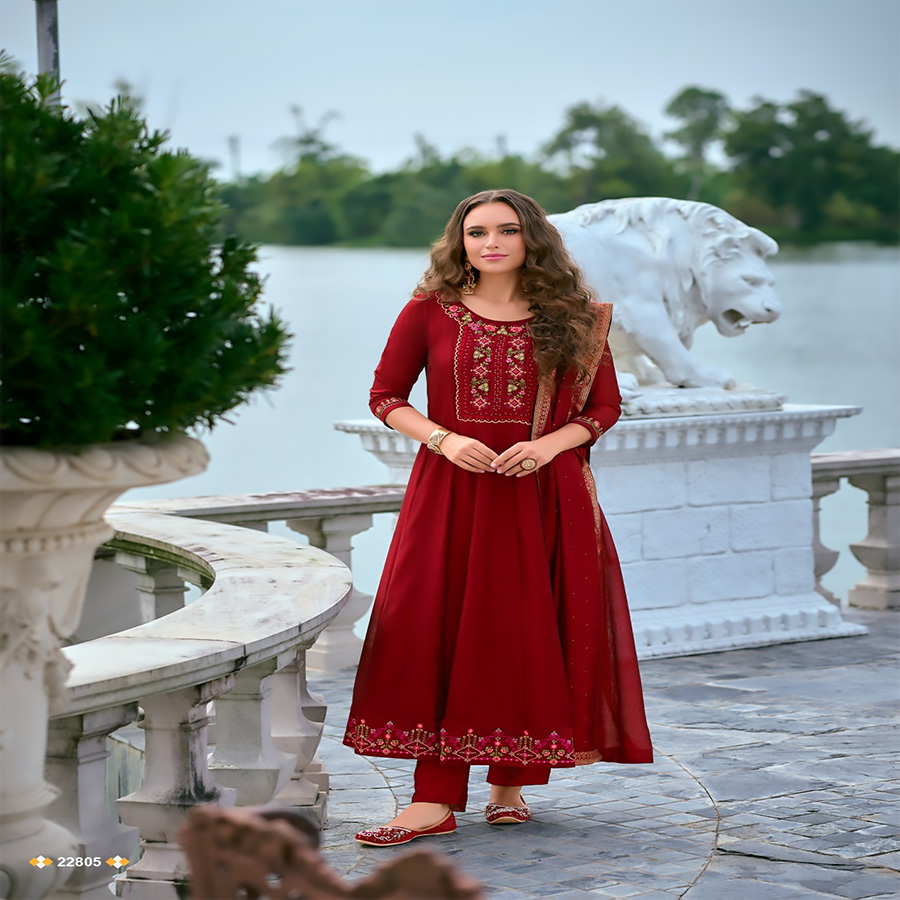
528	464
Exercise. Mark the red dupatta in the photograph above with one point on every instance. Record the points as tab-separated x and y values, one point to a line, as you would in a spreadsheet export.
558	403
611	725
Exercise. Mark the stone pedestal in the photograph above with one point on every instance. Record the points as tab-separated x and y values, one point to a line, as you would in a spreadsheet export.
712	517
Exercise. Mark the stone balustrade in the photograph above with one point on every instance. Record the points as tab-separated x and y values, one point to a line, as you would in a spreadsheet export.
877	472
330	518
243	644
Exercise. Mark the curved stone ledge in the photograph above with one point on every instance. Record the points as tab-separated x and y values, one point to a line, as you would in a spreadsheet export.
269	596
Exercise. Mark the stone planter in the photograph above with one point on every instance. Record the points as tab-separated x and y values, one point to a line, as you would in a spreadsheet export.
52	521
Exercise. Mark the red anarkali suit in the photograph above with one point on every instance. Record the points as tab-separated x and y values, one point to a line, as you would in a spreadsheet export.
500	630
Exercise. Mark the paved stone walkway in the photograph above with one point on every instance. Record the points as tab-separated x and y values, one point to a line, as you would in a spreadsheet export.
776	778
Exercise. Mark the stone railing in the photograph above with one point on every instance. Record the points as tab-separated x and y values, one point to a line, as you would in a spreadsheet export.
330	518
877	472
242	644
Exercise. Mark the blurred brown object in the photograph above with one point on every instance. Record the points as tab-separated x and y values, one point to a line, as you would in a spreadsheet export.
255	853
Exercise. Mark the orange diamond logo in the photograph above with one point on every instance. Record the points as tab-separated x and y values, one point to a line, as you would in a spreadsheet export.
117	861
40	861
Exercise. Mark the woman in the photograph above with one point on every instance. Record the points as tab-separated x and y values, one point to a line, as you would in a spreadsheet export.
500	632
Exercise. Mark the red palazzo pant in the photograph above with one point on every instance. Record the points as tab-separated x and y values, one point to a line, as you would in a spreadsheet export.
447	782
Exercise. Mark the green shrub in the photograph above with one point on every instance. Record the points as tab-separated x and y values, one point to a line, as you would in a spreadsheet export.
124	310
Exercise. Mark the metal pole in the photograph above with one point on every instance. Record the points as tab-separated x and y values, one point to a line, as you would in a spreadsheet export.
48	39
234	149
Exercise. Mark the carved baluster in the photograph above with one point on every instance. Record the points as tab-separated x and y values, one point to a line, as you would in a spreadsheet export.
246	757
879	552
297	733
160	585
824	558
76	765
176	778
315	709
337	647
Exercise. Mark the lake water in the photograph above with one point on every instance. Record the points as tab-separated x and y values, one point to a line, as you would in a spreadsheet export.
835	343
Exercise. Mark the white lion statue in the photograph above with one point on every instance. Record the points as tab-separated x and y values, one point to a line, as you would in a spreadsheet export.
668	266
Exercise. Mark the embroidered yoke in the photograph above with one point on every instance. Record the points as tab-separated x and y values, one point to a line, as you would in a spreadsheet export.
500	630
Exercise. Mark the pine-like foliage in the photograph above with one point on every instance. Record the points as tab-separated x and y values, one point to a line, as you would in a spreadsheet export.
124	310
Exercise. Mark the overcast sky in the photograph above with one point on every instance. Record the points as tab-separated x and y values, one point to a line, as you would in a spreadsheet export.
460	72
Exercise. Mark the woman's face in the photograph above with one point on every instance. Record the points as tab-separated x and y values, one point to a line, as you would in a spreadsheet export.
493	239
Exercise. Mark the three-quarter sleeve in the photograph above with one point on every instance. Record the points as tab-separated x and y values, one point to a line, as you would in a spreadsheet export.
402	361
604	402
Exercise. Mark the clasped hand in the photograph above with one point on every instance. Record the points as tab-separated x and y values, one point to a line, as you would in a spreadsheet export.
474	456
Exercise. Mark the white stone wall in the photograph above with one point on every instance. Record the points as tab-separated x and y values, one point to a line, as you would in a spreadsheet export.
701	526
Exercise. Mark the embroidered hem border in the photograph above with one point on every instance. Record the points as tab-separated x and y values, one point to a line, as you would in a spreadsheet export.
497	747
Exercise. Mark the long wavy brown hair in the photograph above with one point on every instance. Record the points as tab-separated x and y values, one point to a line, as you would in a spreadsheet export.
563	330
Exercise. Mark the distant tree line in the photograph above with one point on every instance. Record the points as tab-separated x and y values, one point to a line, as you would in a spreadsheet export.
802	171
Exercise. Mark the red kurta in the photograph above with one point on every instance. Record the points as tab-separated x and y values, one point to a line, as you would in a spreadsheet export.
500	630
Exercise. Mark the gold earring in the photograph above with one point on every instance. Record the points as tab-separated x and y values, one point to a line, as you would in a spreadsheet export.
469	284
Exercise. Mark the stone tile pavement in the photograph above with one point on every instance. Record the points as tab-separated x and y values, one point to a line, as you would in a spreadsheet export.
776	778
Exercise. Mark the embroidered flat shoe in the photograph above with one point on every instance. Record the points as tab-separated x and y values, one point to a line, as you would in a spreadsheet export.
391	835
496	814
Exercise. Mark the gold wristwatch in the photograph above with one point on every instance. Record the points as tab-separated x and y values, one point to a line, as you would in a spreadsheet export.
434	440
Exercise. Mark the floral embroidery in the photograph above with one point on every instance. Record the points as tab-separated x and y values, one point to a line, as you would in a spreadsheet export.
388	740
384	407
592	425
495	373
500	747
